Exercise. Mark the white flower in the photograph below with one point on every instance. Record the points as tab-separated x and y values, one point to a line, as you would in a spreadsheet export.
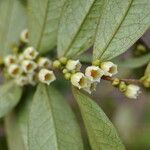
94	73
14	70
30	53
132	91
28	66
10	59
91	87
109	68
44	62
24	36
22	80
46	76
73	65
20	57
79	80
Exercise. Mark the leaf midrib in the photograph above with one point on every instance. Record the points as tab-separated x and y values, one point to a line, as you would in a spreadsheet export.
43	26
117	29
73	39
53	118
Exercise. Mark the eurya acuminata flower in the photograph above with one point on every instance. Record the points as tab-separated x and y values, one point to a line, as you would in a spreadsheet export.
46	76
14	70
24	36
73	65
10	59
28	66
44	62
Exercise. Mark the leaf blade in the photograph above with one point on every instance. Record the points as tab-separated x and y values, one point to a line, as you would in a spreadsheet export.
10	95
43	23
13	16
126	22
102	134
47	116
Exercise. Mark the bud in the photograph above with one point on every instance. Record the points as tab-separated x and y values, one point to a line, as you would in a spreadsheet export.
46	76
20	57
96	62
94	72
44	62
10	59
122	86
14	70
30	53
109	68
73	65
63	60
24	36
56	64
29	66
65	71
79	80
67	76
115	82
22	80
132	91
146	81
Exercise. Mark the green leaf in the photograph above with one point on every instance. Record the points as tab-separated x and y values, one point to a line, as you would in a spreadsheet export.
135	62
52	125
121	24
102	134
44	16
12	22
78	26
147	71
14	138
10	95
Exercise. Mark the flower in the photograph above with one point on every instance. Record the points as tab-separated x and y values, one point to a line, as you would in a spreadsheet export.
73	65
30	53
22	80
14	70
46	76
91	87
28	66
44	62
132	91
94	73
24	36
20	57
10	59
32	78
109	68
79	80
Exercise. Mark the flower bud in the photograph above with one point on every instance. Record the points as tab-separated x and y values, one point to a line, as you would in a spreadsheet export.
29	66
109	68
96	62
115	82
14	70
79	80
56	64
94	72
73	65
44	62
30	53
67	76
22	80
65	71
122	86
46	76
63	60
146	81
24	36
20	57
132	91
10	59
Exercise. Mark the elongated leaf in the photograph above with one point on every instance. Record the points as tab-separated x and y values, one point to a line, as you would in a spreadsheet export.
135	62
12	22
44	16
147	71
9	97
78	26
52	125
122	23
14	138
101	132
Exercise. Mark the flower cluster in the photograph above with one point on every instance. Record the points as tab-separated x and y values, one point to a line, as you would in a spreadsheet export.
88	80
28	68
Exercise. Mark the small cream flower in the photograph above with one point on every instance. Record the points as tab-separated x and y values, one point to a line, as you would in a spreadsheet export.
22	80
44	62
73	65
14	70
109	68
28	66
20	57
46	76
10	59
79	80
91	87
30	53
132	91
24	36
94	73
32	79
